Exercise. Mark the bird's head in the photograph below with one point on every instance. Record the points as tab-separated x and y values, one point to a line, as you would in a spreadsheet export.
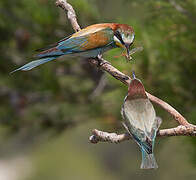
124	36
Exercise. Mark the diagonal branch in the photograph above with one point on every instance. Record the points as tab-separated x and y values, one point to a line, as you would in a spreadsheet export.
184	128
106	66
71	15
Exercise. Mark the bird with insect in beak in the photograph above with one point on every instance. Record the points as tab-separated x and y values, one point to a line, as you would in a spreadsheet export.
89	42
141	122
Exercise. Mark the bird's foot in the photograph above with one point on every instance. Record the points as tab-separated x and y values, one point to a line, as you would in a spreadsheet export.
101	61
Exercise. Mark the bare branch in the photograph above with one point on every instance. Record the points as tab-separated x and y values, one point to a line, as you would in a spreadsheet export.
71	15
100	136
106	66
184	129
188	130
177	116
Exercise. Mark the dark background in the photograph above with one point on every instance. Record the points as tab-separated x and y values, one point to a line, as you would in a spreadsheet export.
47	114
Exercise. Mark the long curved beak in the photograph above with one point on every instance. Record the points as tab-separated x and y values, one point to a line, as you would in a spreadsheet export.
127	46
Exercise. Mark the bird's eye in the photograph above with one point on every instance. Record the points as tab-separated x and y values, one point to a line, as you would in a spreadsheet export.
118	35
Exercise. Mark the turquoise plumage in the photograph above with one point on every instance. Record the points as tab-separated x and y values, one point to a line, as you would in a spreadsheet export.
141	122
89	42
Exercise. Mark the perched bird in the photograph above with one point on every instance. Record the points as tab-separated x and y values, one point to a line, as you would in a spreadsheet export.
88	42
141	121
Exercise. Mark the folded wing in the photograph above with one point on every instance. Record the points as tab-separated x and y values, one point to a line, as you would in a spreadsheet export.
76	44
82	41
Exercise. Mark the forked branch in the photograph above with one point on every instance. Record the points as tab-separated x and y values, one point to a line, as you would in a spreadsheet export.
184	128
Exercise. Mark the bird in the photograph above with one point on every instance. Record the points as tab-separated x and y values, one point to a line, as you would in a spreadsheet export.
141	122
89	42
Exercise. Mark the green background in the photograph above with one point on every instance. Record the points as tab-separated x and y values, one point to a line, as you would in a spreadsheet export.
47	114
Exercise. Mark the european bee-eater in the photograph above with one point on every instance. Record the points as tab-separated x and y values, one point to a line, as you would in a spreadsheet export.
88	42
141	121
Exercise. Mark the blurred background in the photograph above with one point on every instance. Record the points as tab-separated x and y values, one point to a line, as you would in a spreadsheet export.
47	114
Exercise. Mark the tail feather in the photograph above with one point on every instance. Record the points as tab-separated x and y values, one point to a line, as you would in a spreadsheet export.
34	64
148	161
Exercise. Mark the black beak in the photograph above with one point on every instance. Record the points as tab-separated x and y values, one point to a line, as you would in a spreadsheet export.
127	46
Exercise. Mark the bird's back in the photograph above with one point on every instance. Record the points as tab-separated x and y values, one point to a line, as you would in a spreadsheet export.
94	28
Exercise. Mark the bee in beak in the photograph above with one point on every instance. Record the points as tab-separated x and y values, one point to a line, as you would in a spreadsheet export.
124	38
127	47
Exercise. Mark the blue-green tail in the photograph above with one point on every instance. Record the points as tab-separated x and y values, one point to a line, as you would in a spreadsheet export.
34	64
148	160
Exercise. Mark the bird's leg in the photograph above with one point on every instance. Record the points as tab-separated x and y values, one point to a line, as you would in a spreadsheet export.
99	59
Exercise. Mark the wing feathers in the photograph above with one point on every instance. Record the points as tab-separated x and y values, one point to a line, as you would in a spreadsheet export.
90	38
52	45
86	39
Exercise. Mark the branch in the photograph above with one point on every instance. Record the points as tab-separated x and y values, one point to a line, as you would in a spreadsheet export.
106	66
184	129
71	15
100	136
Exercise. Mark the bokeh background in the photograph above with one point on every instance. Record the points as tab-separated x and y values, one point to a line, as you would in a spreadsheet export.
47	114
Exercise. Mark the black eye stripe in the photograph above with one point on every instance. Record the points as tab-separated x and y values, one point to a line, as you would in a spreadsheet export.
118	35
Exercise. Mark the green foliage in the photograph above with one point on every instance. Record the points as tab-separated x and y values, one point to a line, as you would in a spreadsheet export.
57	96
